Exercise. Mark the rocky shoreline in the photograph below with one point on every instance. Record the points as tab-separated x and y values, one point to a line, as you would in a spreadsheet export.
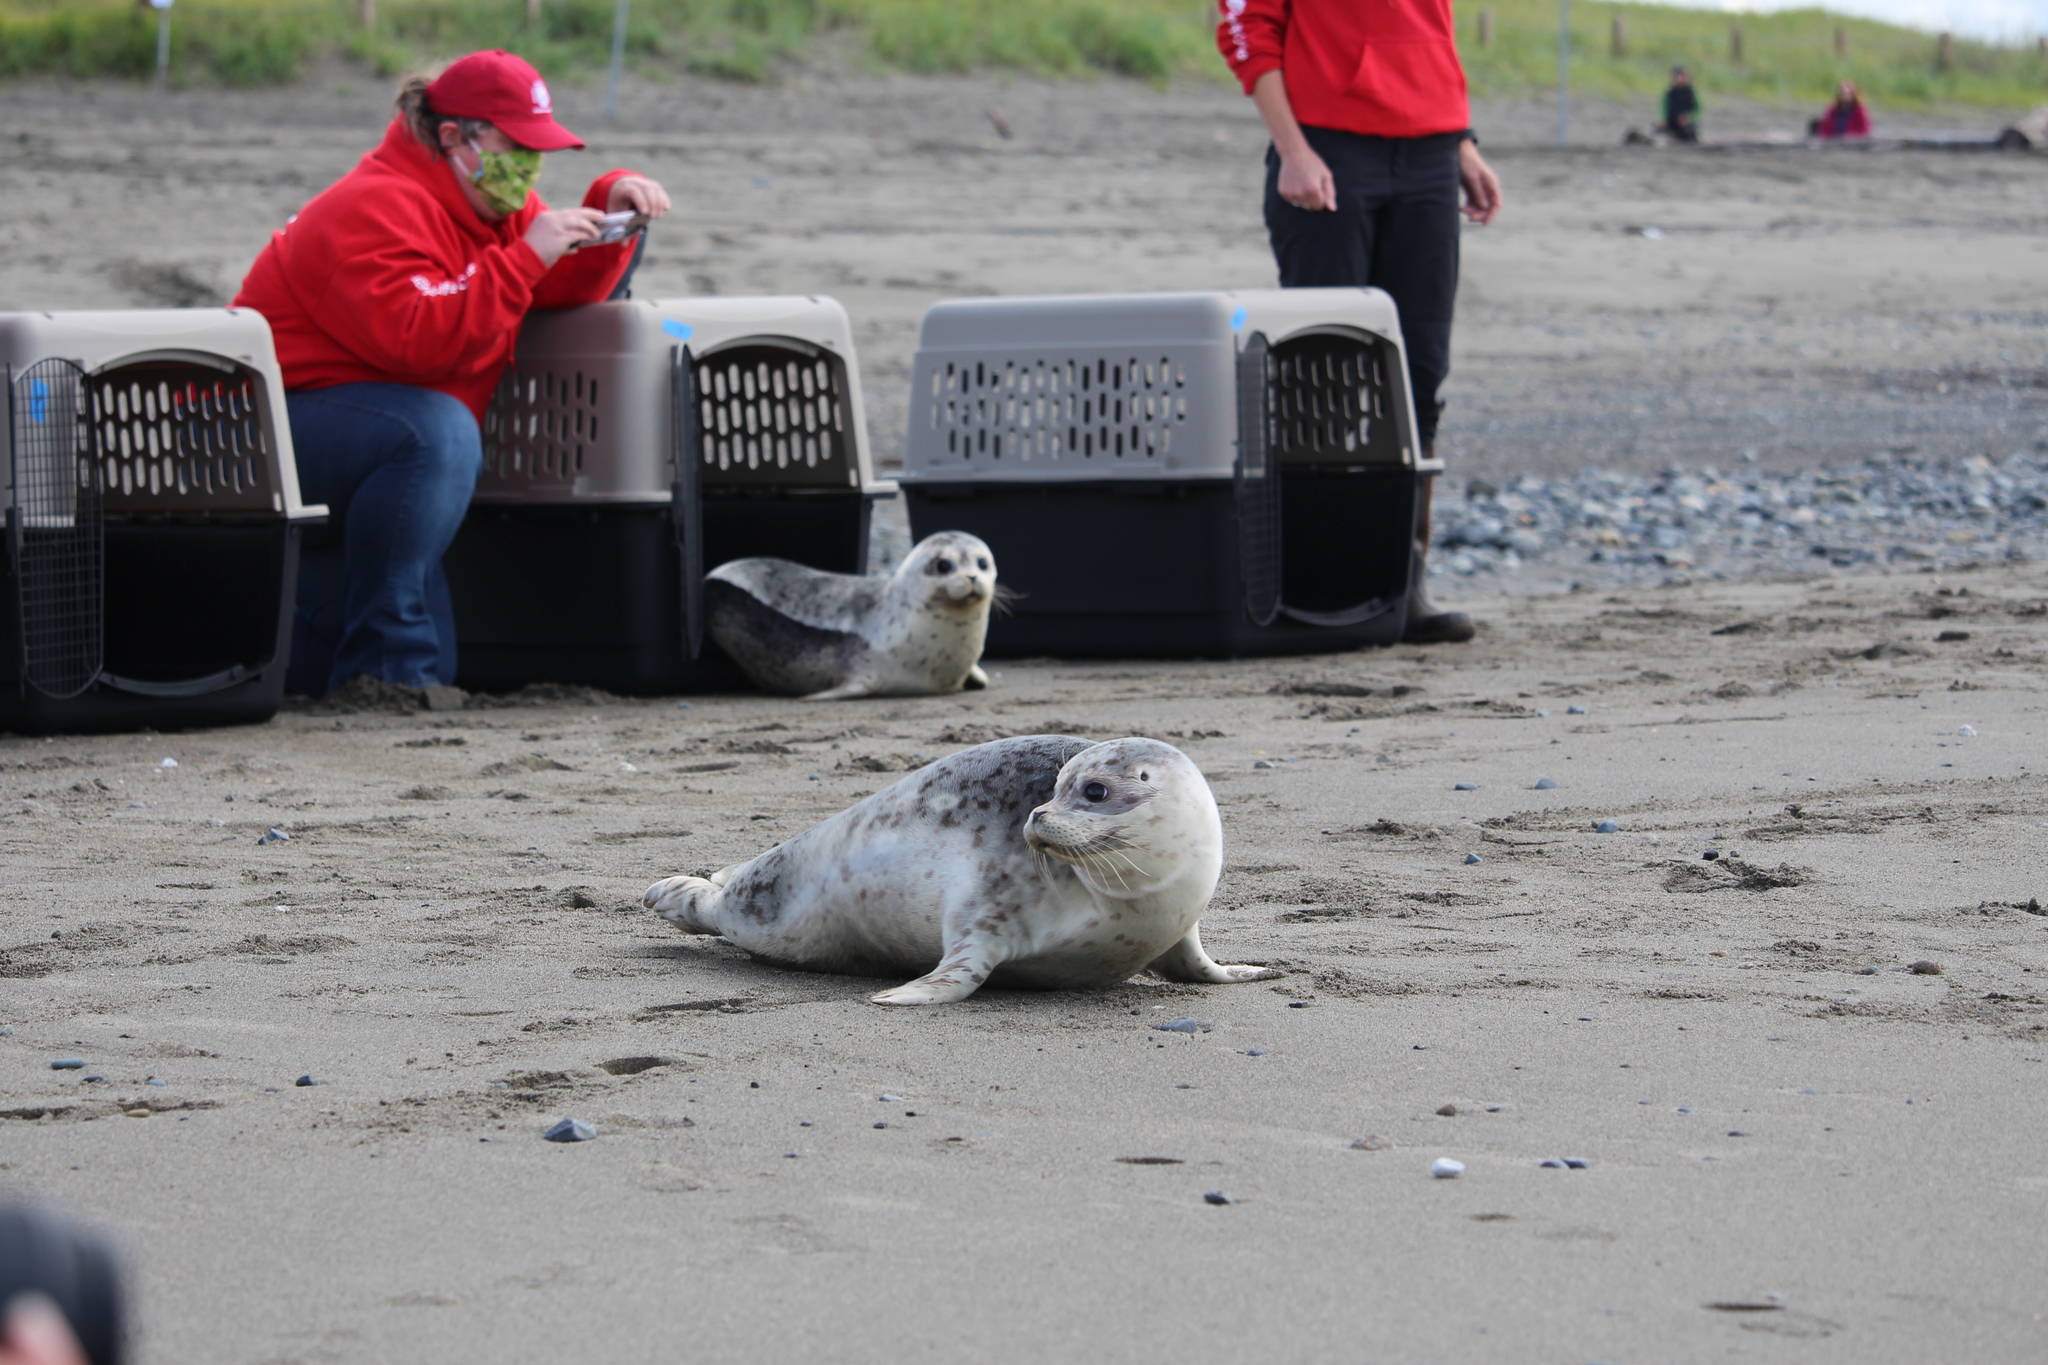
1608	528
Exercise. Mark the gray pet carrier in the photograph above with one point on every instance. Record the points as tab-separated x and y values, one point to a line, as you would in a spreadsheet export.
152	518
632	446
1210	473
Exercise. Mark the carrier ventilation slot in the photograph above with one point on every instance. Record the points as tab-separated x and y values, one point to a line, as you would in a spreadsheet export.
541	425
179	435
1069	410
1328	402
773	413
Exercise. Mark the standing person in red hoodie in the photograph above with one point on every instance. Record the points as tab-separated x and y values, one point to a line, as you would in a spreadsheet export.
395	298
1365	103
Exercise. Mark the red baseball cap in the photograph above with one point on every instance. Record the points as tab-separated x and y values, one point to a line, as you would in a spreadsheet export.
506	90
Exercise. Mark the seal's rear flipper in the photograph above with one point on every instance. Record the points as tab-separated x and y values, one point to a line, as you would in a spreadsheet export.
1187	961
687	902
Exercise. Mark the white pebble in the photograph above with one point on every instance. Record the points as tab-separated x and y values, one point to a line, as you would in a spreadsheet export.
1446	1168
1966	731
172	762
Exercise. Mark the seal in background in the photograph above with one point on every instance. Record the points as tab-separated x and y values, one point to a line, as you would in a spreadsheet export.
825	636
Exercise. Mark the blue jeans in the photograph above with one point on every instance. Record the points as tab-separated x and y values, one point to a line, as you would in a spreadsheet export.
396	466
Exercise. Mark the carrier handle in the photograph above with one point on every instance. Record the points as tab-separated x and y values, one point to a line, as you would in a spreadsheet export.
1349	616
191	687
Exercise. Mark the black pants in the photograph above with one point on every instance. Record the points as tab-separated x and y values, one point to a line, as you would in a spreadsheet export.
1395	228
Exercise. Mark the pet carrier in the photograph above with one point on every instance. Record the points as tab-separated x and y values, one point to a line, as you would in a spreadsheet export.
632	446
1174	474
152	518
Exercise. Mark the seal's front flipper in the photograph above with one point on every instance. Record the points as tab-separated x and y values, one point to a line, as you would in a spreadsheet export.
1186	961
846	691
977	679
956	978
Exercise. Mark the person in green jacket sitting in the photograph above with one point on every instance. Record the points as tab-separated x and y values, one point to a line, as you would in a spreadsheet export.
1681	108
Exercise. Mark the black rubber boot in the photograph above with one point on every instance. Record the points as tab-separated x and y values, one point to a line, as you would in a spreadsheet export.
1427	624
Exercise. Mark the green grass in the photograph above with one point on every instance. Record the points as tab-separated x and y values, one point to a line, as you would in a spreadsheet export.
1787	57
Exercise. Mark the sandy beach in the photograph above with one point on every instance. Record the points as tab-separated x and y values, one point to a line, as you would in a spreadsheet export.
1803	1077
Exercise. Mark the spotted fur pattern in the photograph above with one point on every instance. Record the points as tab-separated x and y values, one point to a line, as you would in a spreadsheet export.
1043	860
805	632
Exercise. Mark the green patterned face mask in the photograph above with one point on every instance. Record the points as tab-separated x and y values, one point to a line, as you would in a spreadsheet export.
505	179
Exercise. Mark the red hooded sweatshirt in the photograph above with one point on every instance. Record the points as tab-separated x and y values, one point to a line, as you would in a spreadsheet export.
389	275
1843	120
1388	68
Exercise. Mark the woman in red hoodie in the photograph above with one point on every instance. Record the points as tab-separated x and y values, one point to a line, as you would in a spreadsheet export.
395	298
1845	118
1365	103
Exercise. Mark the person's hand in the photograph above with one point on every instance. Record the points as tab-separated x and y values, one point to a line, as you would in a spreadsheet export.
35	1333
1482	186
638	193
554	232
1306	183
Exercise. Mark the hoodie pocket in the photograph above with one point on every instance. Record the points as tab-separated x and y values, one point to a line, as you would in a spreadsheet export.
1411	86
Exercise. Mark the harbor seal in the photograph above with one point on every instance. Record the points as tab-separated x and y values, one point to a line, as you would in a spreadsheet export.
1042	860
827	636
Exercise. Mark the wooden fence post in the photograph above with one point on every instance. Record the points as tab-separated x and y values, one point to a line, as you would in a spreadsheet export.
366	12
1486	28
1735	43
1841	41
1945	52
1617	38
163	46
533	13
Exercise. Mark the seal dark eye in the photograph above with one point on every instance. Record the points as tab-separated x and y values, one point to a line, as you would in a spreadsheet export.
1095	791
1144	777
942	565
982	563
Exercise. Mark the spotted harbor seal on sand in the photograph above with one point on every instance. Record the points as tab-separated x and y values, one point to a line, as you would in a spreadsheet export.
1042	860
827	636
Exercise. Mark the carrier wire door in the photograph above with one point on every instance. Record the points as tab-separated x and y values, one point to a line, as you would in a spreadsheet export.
54	532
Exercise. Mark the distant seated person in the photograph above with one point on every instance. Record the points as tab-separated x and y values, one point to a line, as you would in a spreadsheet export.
395	297
1681	108
1845	118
